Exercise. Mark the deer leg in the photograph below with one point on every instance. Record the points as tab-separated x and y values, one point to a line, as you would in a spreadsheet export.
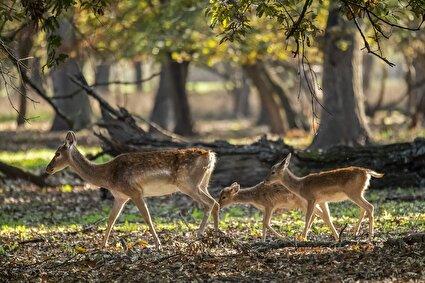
308	217
143	208
266	223
364	204
327	219
115	212
205	200
216	208
361	217
210	205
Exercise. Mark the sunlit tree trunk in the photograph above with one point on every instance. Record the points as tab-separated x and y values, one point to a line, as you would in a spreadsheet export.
77	108
342	86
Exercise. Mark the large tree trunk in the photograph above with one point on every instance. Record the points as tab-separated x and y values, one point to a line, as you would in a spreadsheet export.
343	119
269	98
25	43
77	108
171	108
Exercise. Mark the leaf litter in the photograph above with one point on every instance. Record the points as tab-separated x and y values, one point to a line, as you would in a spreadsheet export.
53	234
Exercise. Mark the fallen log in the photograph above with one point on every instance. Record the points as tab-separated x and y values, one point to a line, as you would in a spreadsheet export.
16	173
402	163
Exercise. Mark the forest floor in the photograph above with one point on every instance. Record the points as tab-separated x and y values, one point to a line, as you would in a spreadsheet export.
54	234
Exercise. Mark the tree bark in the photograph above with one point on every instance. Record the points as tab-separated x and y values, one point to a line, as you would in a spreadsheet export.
342	120
268	96
77	108
171	109
25	44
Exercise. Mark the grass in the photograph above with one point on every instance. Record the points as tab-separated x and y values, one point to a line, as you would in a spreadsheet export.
39	158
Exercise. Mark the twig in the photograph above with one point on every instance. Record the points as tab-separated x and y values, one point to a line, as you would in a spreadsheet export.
342	231
34	86
367	46
71	95
299	20
35	240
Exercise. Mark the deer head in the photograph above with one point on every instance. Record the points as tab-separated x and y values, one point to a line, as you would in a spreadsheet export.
277	170
62	157
228	194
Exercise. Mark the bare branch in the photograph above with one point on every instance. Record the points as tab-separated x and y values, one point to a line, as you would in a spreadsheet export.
367	46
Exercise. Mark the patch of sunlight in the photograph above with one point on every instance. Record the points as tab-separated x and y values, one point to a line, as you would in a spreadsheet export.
37	158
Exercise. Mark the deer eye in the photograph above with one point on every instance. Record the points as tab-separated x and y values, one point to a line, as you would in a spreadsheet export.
57	154
273	172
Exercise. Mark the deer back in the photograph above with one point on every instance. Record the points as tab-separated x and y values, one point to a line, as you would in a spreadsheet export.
158	173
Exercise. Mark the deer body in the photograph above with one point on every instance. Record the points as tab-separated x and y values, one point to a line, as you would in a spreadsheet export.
329	186
138	175
268	198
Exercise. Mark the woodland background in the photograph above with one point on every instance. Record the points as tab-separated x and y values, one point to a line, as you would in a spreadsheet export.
337	83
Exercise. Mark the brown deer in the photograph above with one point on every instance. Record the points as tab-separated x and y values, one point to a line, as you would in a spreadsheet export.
138	175
329	186
268	198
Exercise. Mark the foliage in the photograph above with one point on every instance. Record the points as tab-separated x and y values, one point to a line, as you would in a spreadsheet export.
300	24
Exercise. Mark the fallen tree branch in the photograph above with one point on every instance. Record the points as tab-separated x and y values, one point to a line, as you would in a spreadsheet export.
17	173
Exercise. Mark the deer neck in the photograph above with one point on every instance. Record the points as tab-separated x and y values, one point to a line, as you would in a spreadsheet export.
245	196
89	171
292	182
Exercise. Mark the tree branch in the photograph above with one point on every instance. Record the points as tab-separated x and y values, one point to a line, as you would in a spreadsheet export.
367	46
299	20
34	86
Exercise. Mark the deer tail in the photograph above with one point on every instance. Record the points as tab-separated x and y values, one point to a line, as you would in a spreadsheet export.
374	174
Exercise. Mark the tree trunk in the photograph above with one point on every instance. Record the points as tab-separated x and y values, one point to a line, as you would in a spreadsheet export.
77	108
171	108
138	72
25	44
183	118
343	119
417	99
241	93
102	76
268	96
371	110
368	68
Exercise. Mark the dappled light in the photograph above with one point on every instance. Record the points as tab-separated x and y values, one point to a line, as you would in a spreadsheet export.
212	141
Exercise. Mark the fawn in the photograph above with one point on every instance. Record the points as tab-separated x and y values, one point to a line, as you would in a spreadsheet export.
268	198
329	186
138	175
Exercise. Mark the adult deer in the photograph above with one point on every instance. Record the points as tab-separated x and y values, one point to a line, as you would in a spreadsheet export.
138	175
329	186
268	198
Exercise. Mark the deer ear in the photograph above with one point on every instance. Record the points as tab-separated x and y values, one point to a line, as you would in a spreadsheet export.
70	139
287	159
235	188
